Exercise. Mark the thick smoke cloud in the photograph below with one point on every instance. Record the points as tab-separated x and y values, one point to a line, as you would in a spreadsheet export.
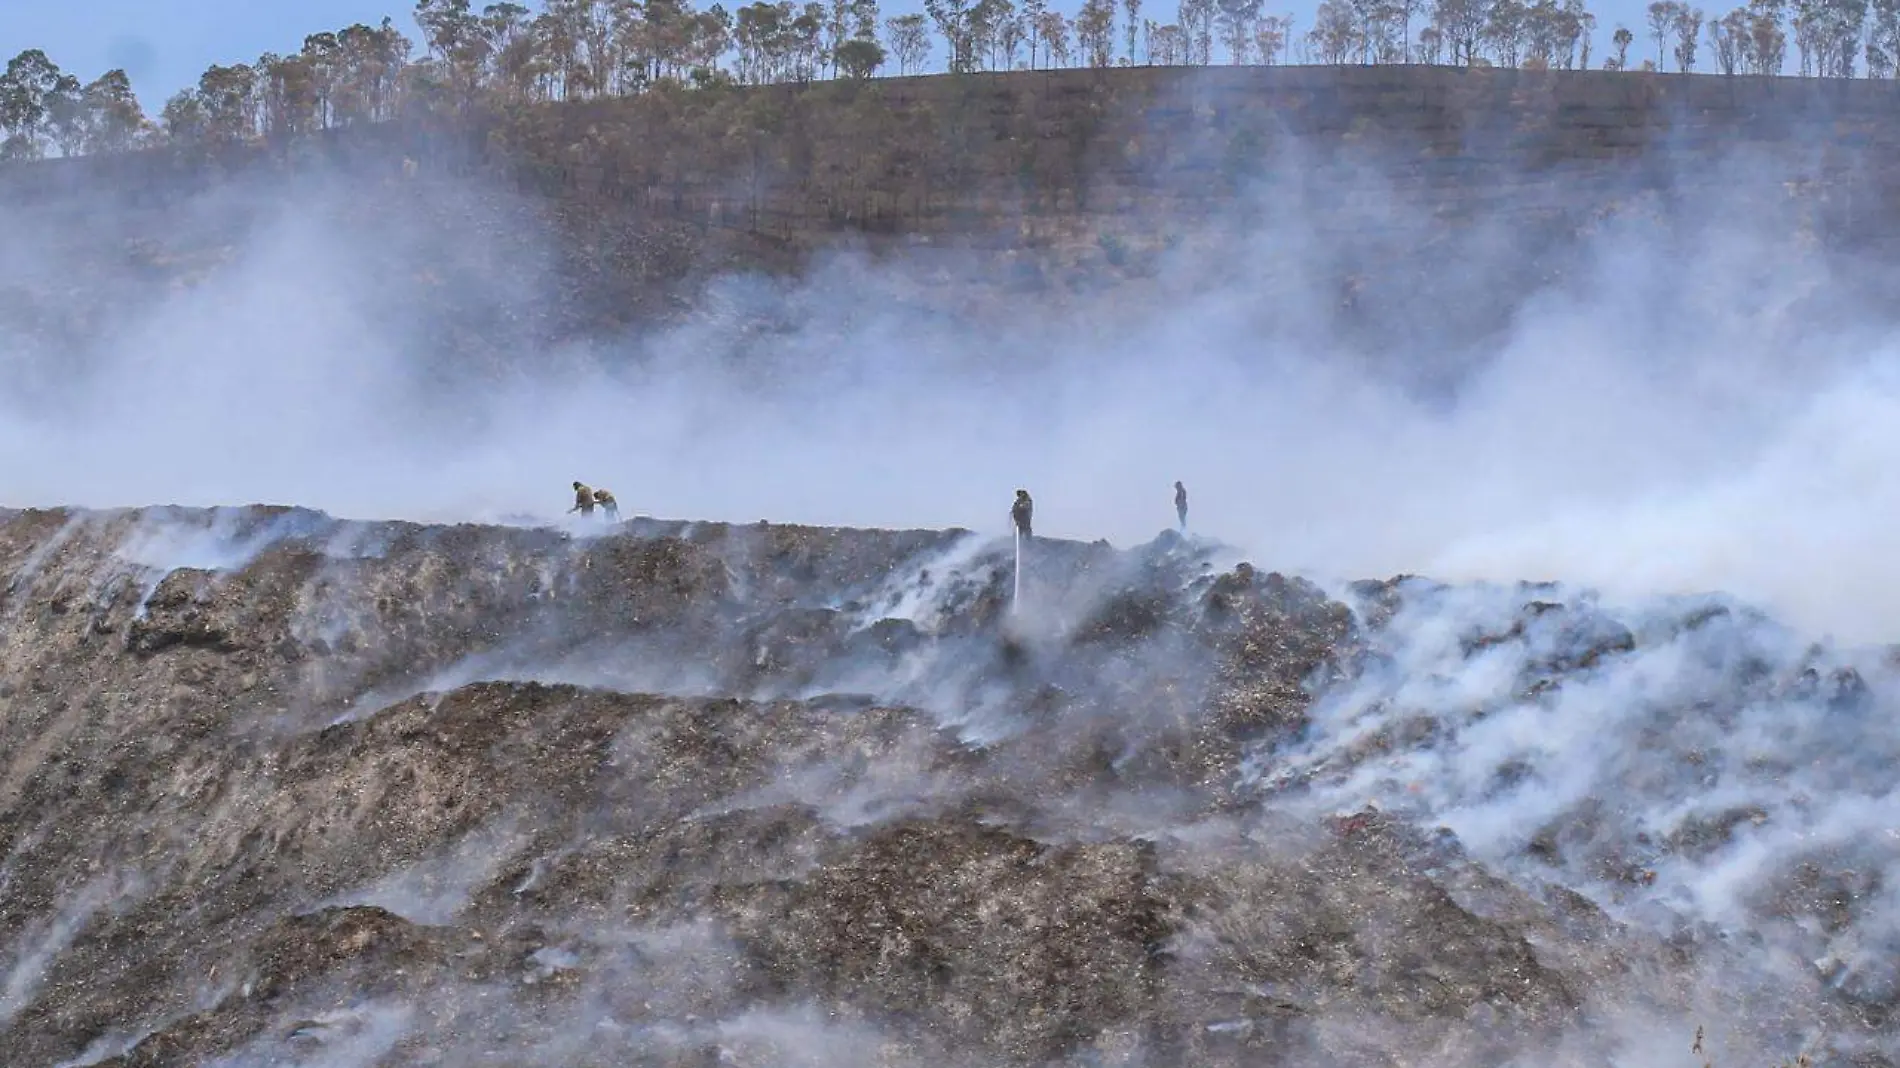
1681	411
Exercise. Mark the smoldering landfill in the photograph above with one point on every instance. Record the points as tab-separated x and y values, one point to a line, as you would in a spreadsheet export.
278	788
287	789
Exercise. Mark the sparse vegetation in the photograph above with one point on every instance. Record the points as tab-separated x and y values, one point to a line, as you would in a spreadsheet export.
507	54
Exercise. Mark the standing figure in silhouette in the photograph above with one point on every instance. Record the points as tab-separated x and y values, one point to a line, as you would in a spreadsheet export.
1180	503
1021	511
583	500
605	499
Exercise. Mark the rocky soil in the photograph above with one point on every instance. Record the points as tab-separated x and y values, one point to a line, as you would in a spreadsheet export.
277	788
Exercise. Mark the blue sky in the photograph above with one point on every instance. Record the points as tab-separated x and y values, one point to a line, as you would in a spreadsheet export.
164	45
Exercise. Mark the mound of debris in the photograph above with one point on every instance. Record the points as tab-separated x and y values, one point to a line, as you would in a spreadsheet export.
280	787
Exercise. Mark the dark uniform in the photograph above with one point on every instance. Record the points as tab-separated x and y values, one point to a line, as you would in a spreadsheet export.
1021	512
1180	503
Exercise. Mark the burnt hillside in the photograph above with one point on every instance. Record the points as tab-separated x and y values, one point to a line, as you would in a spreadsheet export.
1027	155
283	788
1062	182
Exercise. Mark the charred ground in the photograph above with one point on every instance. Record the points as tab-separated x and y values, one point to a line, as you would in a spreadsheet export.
282	788
1004	194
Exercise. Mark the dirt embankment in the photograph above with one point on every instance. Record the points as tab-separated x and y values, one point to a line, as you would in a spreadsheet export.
1002	192
287	787
1033	157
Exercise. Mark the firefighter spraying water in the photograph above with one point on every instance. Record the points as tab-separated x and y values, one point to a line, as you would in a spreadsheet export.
1021	513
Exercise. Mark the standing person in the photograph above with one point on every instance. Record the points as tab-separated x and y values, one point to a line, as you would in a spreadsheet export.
1021	512
583	500
1180	504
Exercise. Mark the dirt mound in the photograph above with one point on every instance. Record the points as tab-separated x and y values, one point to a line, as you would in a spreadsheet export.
283	787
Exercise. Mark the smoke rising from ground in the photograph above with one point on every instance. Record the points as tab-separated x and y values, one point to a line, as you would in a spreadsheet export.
1697	403
1679	413
1729	774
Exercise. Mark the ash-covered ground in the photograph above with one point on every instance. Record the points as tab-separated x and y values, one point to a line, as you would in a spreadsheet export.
285	789
278	788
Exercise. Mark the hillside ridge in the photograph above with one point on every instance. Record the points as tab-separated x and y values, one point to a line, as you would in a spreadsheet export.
991	154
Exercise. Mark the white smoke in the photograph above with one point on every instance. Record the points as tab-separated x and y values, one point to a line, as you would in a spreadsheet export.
1688	775
33	951
1678	413
1699	404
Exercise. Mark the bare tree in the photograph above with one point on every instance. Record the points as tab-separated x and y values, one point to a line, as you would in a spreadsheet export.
1095	31
1729	36
953	22
1009	37
1196	19
1237	19
1662	18
1846	21
1586	33
1807	36
1033	11
1883	38
1405	11
994	34
1545	34
1768	43
1055	37
1504	31
1461	24
1169	46
1688	27
909	41
1378	28
1271	37
1335	33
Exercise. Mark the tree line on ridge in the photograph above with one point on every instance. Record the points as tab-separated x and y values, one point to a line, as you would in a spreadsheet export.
508	53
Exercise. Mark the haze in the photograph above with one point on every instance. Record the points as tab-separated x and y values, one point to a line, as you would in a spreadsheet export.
1685	412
